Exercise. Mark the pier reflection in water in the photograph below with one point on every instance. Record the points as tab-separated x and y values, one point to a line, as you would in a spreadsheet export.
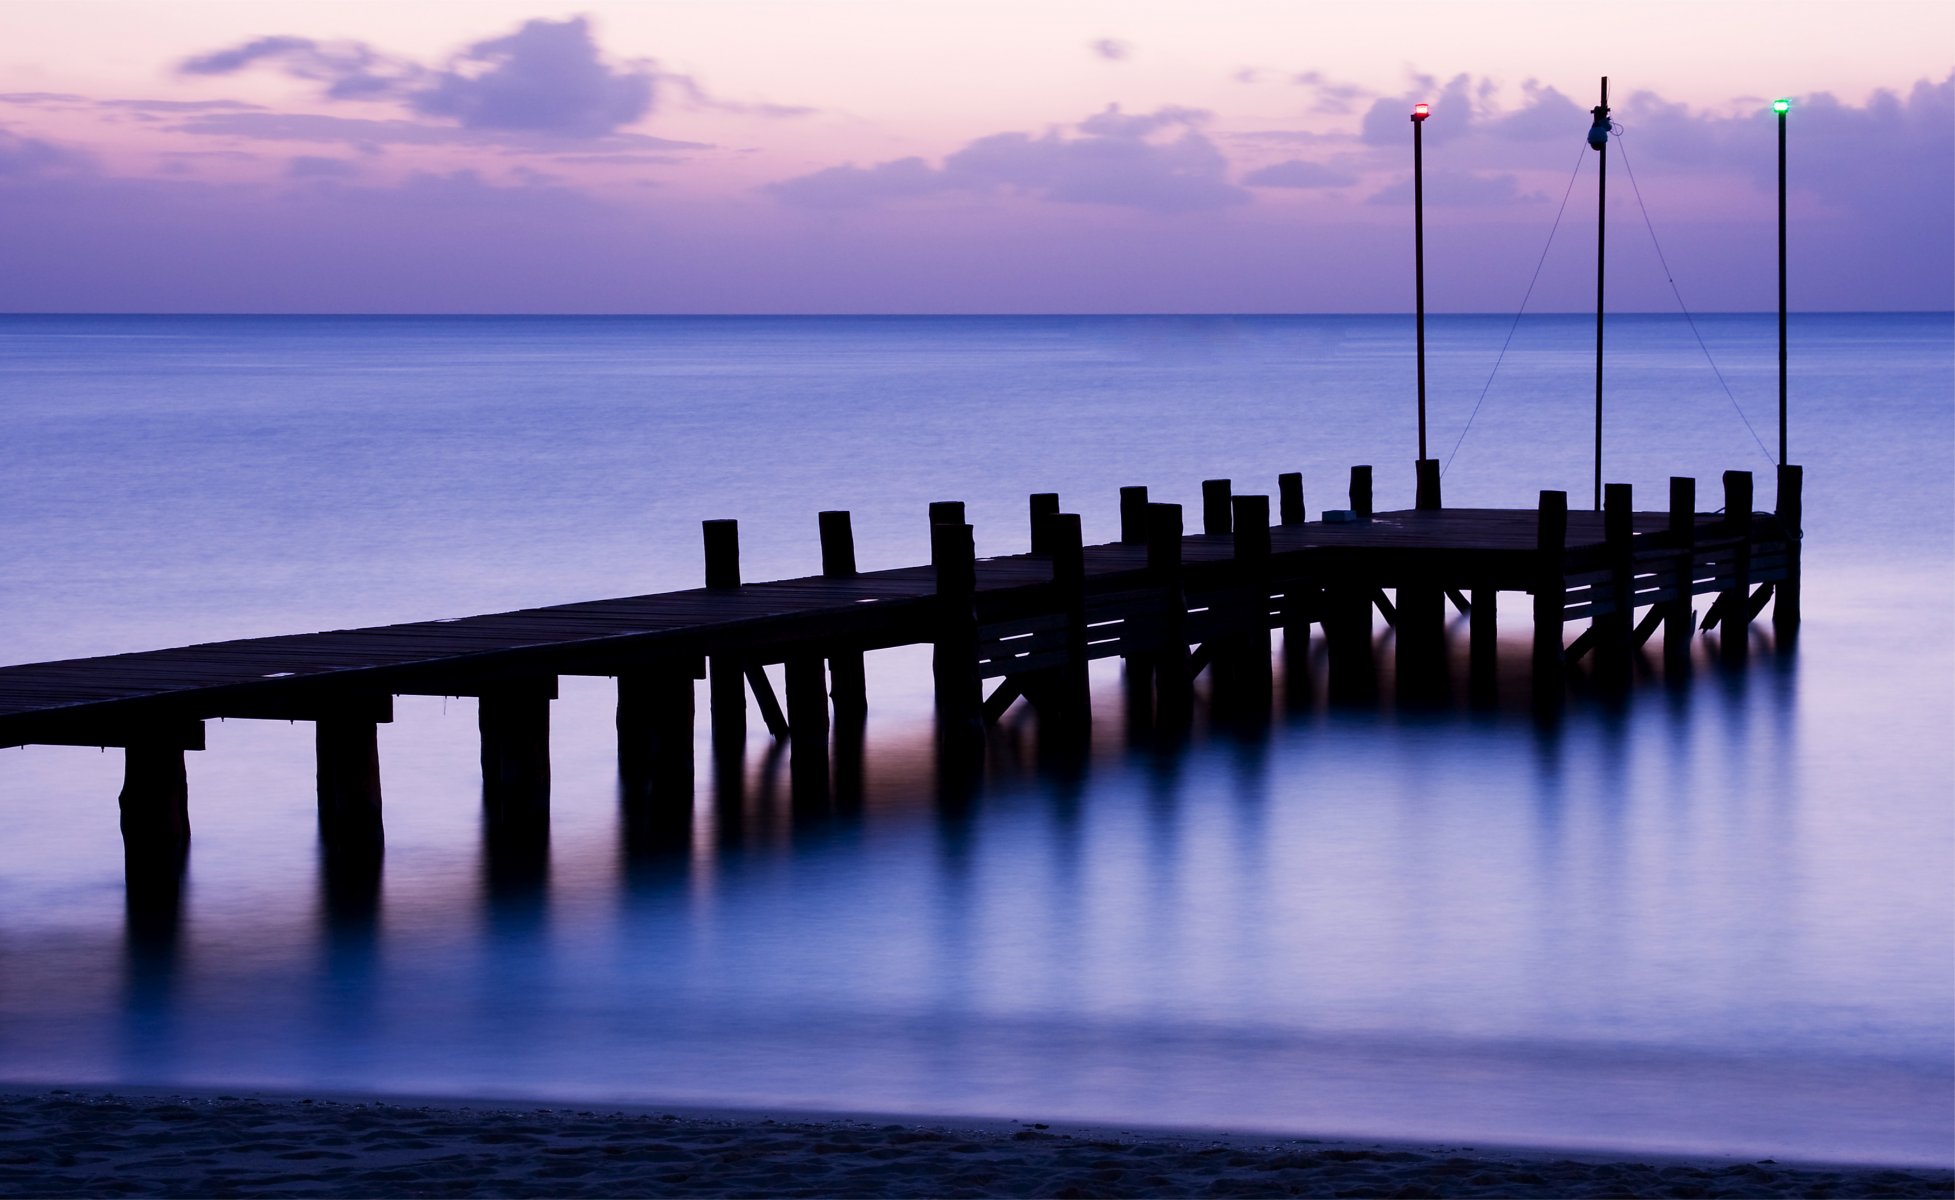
1452	921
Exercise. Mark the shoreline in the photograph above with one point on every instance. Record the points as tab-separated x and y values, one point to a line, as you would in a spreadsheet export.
168	1141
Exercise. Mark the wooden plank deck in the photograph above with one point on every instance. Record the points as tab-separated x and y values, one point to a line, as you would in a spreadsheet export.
1463	548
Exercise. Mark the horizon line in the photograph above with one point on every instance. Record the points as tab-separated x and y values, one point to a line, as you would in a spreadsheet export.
1582	312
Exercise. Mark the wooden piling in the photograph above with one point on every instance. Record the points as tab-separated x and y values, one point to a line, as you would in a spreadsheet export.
946	512
1614	641
1550	590
1483	639
960	694
514	720
722	539
1427	494
655	730
726	674
846	682
1243	683
1361	492
348	775
1173	690
1682	536
1062	694
1791	506
1289	493
807	721
1735	600
155	806
1133	515
1215	506
1040	506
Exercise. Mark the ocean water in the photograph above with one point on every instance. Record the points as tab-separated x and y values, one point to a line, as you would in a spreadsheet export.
1712	916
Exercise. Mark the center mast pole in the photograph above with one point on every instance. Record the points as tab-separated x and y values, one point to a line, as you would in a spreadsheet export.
1598	141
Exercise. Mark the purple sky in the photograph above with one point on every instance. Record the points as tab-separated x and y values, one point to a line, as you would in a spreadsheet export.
844	156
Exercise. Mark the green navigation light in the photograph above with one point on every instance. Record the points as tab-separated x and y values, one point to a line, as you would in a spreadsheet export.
1780	106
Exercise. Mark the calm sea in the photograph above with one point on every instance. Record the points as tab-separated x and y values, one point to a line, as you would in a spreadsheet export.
1709	918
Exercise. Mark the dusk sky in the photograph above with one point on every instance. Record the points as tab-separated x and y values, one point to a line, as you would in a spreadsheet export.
905	156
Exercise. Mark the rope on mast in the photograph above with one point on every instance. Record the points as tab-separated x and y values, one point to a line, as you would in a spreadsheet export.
1532	280
1670	278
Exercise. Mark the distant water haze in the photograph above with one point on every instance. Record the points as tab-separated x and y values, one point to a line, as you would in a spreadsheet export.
1712	918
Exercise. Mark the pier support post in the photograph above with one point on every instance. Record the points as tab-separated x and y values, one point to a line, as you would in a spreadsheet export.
1289	495
960	694
1791	506
1361	492
155	804
1550	594
514	720
1677	623
1062	694
1614	630
1428	484
1735	601
1173	681
1133	515
1420	657
1347	637
726	674
1041	505
348	774
807	721
1483	642
1216	517
946	512
1241	667
847	684
655	727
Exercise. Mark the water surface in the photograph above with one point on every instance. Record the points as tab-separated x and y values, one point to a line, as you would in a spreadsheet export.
1713	917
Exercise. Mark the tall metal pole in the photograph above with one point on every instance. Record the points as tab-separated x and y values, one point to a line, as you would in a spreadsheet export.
1419	112
1781	106
1598	140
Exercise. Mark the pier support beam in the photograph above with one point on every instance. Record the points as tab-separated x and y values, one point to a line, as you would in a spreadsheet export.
1677	616
1173	676
1791	506
1483	643
514	719
1241	670
725	674
1061	694
1420	657
1550	595
155	804
960	691
848	687
1347	637
655	732
348	770
807	722
1735	600
1614	643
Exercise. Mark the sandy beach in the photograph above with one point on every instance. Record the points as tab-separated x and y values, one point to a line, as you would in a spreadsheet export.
60	1142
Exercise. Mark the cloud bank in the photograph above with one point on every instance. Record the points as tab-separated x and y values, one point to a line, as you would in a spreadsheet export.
1156	162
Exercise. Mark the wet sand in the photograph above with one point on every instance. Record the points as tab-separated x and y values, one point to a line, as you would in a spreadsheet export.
92	1143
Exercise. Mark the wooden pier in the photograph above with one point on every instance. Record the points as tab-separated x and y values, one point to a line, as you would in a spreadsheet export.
1171	601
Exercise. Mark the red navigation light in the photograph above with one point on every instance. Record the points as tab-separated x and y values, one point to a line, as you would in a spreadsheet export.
1421	111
